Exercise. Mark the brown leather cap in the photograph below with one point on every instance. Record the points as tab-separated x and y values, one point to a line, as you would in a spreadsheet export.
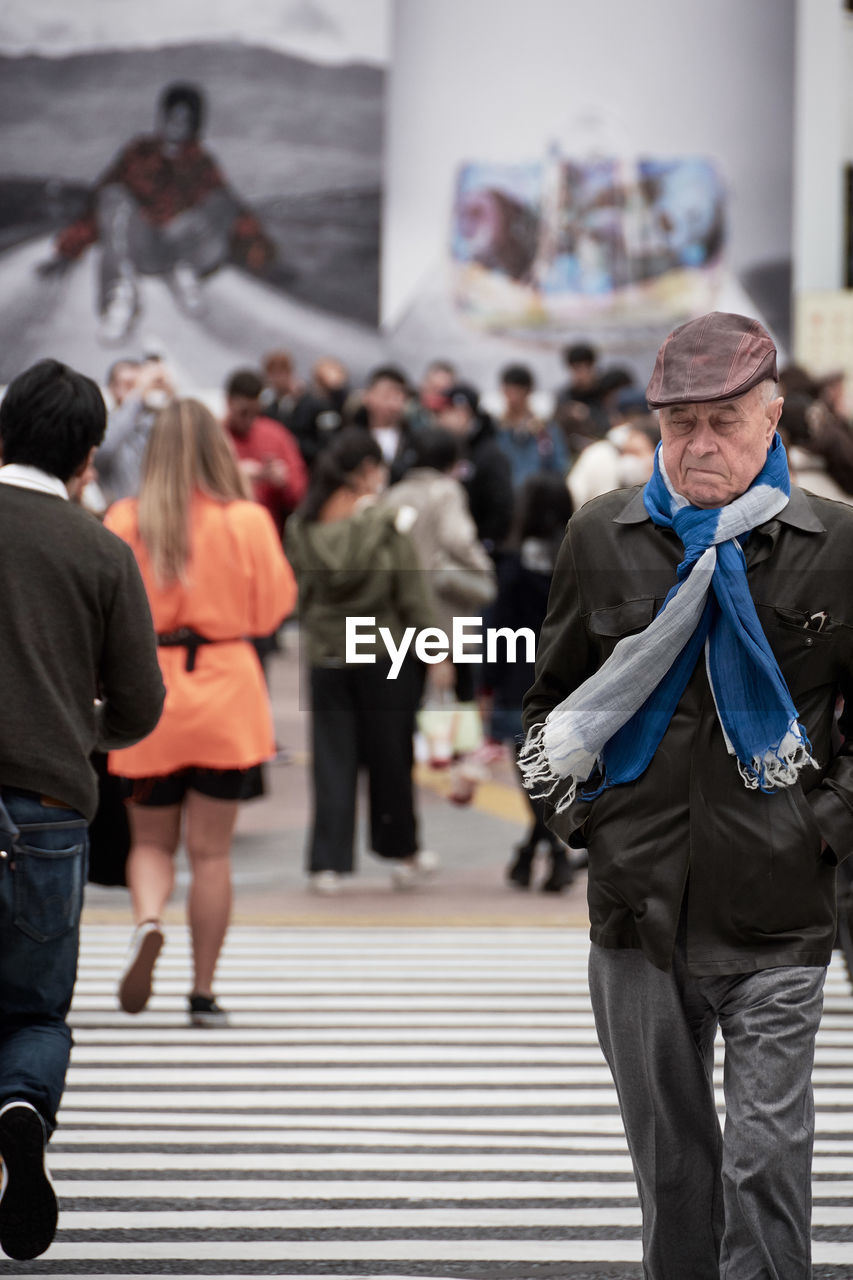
716	357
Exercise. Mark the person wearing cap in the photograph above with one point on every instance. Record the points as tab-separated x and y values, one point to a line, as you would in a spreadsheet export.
681	727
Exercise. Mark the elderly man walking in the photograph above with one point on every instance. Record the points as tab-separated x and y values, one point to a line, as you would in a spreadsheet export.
681	725
79	671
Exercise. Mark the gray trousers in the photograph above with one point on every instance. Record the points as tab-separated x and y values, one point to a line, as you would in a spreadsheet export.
131	245
716	1206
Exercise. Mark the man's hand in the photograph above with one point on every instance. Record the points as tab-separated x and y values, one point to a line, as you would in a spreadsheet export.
274	471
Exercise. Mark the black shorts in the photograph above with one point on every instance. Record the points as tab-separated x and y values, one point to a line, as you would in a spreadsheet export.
171	788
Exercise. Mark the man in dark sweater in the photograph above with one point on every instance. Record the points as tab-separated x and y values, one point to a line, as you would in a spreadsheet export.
79	671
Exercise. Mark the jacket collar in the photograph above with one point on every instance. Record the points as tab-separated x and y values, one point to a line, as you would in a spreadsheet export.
797	513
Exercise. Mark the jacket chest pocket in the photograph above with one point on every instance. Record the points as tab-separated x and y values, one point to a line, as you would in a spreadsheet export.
609	626
806	657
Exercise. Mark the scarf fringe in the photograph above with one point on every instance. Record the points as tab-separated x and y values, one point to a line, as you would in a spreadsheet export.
537	774
780	765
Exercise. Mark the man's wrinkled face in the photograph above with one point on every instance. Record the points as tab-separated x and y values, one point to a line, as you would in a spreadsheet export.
713	450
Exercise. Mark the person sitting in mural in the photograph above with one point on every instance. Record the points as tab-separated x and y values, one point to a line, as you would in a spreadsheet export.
530	444
162	208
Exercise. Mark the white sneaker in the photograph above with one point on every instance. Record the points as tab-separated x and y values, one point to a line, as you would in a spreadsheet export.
134	990
186	289
119	313
414	871
325	882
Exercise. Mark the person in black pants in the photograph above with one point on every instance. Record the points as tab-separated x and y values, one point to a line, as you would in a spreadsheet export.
525	569
352	560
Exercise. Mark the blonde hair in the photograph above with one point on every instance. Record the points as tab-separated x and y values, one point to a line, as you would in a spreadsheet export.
187	451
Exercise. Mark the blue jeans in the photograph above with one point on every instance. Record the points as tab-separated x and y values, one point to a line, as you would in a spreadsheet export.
43	858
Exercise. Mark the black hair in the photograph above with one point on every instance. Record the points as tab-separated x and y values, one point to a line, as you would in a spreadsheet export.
543	510
349	449
436	448
50	417
614	379
579	353
517	375
187	95
794	421
464	392
391	372
245	382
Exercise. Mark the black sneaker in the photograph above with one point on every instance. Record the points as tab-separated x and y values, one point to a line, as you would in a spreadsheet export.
28	1209
205	1012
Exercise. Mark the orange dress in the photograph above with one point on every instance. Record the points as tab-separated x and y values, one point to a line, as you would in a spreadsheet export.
239	584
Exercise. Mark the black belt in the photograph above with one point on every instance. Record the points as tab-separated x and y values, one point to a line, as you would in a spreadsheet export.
186	638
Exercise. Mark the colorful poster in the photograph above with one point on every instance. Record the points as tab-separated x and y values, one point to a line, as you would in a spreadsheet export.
543	245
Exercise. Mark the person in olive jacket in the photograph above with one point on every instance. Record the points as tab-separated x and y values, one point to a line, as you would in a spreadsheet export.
354	559
681	725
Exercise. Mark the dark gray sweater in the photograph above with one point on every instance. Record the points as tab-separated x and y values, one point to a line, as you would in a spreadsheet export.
74	626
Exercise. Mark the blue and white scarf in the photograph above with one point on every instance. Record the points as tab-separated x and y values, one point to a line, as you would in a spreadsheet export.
615	720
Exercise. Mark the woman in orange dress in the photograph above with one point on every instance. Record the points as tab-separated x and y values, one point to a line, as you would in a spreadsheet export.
216	575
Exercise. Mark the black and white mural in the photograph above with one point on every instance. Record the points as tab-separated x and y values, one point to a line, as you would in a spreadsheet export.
191	176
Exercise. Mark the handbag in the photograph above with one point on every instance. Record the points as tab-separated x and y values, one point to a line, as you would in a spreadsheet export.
451	729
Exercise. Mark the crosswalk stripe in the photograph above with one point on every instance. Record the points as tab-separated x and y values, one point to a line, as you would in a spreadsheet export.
384	1102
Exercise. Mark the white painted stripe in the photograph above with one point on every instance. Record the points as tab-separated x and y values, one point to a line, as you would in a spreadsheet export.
567	1037
322	1036
365	1188
209	1073
408	1219
120	1251
375	1100
272	1161
352	1055
498	1251
387	1219
295	1123
496	1020
102	1139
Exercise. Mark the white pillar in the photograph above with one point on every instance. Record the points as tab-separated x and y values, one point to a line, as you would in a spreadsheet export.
820	133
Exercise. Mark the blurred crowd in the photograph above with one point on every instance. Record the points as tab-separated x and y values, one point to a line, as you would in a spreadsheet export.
416	505
481	483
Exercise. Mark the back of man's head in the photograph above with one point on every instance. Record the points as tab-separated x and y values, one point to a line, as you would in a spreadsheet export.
51	417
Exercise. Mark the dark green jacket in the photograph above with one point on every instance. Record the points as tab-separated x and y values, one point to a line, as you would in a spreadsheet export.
360	567
761	890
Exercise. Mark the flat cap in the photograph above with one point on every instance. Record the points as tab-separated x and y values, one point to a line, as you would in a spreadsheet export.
715	357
